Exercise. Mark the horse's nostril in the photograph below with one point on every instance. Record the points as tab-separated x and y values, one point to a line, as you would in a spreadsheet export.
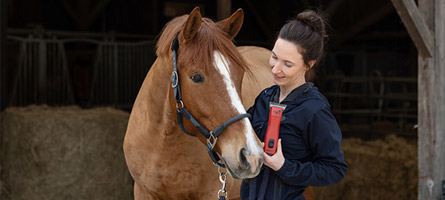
243	158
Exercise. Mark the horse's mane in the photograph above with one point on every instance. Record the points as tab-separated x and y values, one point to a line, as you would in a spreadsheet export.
200	49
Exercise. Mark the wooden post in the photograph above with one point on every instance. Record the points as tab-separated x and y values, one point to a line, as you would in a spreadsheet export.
426	26
431	105
154	16
224	9
3	31
439	60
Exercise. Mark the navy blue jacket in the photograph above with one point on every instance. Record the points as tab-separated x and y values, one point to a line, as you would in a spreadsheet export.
310	139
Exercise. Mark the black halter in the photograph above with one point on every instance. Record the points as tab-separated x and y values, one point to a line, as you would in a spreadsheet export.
181	112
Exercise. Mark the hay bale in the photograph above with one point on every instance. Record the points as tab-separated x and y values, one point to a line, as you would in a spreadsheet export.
64	153
381	169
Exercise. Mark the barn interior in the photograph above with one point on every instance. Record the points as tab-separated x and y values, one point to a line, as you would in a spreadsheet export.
96	53
61	52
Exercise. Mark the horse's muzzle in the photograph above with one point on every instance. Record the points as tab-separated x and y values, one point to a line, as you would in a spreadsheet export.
248	164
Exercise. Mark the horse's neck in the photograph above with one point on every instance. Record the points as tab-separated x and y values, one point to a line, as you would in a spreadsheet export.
152	102
152	116
155	148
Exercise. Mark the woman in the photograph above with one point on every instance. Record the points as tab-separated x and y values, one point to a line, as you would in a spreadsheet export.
309	151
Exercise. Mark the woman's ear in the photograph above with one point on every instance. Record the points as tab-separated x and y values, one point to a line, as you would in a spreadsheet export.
312	63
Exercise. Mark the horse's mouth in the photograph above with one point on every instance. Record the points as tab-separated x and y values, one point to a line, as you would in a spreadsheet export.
234	175
241	174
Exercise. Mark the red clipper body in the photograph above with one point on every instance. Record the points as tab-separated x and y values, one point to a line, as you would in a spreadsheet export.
273	128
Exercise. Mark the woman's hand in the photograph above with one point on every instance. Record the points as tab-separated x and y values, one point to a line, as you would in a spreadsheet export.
276	161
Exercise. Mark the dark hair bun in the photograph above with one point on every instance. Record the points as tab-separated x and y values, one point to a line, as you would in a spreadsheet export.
314	20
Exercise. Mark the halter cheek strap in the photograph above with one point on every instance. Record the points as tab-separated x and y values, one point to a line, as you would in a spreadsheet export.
181	112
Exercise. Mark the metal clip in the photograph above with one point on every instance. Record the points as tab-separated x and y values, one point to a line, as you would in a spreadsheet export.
222	192
223	180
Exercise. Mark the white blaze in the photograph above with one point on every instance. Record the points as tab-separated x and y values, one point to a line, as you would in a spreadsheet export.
223	68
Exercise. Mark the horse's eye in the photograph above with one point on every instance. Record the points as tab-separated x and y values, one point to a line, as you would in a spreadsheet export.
197	77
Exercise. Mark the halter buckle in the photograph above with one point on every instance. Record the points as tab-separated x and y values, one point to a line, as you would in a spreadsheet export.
211	141
175	79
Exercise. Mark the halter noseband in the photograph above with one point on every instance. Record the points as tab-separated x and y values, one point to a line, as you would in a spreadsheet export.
181	112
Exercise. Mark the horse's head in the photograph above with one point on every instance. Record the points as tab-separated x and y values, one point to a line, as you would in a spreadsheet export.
210	75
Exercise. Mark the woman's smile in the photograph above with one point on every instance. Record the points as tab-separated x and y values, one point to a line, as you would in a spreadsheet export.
278	78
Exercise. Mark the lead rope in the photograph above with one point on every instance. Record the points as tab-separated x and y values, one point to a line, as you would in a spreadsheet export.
222	193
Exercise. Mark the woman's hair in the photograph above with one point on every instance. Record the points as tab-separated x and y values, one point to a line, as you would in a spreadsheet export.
307	32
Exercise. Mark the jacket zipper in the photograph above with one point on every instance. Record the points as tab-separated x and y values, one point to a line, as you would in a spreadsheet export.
277	189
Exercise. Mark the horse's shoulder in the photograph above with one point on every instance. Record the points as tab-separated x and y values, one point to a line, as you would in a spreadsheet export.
247	50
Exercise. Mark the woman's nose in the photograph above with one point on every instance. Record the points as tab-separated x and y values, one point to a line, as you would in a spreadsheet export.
275	68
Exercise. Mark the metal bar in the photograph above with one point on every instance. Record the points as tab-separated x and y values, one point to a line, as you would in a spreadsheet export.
96	65
50	33
124	75
13	99
365	79
26	79
66	72
52	92
42	72
130	65
115	90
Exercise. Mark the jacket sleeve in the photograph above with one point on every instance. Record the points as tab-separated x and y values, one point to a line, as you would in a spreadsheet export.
328	165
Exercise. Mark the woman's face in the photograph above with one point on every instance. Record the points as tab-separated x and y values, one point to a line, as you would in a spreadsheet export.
287	64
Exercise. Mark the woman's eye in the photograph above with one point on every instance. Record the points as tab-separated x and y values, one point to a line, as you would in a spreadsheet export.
197	77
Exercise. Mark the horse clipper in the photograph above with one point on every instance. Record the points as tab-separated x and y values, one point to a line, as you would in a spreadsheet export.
273	128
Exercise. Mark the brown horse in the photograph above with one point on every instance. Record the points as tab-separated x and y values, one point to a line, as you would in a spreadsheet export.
164	162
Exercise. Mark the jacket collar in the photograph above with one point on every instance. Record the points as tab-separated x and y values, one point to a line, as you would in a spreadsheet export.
300	90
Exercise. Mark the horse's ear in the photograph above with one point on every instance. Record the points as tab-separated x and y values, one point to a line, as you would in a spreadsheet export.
192	24
233	24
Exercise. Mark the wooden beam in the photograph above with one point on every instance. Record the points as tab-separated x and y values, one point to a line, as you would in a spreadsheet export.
82	16
431	107
70	11
426	111
223	9
4	91
415	25
383	35
98	9
439	52
363	24
306	3
259	19
333	7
